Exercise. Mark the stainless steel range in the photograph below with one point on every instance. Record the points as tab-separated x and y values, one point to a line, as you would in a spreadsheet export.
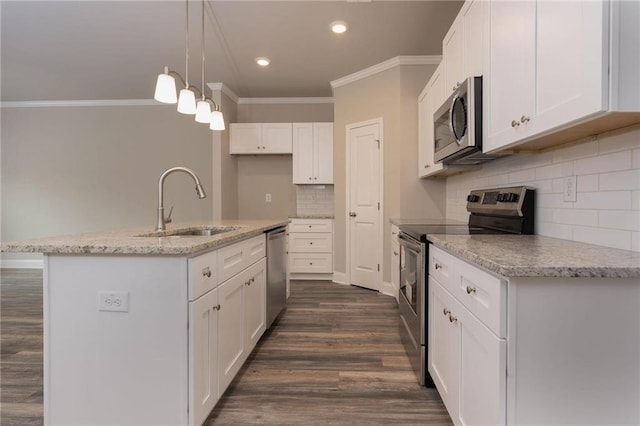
492	211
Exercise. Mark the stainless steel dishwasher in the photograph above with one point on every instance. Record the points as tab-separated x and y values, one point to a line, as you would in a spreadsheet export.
276	273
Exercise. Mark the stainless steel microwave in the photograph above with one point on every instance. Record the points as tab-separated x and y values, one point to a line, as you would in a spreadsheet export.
457	126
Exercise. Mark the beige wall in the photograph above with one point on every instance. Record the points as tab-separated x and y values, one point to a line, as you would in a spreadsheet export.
225	166
392	95
258	175
78	169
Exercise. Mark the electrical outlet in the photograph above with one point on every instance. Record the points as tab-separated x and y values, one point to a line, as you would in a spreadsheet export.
113	301
267	197
570	189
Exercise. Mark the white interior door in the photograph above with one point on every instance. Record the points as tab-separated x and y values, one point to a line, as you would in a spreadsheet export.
364	206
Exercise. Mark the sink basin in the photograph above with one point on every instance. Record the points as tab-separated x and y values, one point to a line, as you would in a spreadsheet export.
197	231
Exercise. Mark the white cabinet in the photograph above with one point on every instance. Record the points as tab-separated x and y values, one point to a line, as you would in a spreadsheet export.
260	138
395	259
467	360
313	153
242	319
310	247
462	46
428	101
549	68
527	343
203	356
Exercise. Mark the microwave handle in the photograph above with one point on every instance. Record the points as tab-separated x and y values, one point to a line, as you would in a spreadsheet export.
453	133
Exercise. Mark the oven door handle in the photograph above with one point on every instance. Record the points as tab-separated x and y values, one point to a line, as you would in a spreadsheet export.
409	242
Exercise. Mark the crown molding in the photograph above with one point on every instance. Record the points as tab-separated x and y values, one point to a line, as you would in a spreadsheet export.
289	100
82	103
384	66
224	89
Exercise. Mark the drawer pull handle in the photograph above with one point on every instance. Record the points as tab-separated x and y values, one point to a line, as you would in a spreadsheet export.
452	319
217	307
206	272
470	290
445	312
438	266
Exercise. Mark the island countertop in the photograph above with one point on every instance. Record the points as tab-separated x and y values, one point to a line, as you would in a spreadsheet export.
144	241
538	256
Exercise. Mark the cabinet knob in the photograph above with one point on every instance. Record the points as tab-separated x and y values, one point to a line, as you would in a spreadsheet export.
524	119
206	272
438	266
426	166
309	226
263	147
217	307
452	319
453	88
395	253
514	123
258	146
445	312
311	263
315	178
470	290
309	177
310	243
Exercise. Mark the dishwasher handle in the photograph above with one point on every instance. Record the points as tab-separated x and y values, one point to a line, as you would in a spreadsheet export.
276	233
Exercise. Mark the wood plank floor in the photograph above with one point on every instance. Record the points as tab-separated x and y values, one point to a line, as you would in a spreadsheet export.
333	357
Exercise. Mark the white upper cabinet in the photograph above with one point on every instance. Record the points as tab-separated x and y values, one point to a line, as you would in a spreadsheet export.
428	101
452	56
313	153
548	68
260	138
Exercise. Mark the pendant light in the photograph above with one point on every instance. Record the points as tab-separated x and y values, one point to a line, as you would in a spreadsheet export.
166	87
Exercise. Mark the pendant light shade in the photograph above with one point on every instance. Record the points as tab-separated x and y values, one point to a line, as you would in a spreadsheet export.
217	121
187	102
203	112
166	89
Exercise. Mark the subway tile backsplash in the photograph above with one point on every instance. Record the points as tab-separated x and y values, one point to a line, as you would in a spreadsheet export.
607	170
314	199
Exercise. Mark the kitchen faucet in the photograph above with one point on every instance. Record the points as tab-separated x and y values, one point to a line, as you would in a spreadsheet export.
162	221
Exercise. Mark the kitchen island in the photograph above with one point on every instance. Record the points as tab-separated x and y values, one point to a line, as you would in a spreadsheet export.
526	329
148	327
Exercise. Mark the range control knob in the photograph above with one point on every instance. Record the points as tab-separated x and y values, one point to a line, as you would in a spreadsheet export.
511	197
472	198
501	197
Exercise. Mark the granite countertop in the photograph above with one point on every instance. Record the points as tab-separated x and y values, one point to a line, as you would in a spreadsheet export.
144	241
538	256
312	216
397	222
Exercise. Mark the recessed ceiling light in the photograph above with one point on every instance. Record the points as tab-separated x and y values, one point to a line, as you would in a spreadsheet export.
338	27
263	62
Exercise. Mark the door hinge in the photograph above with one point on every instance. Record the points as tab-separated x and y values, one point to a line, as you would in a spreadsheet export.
378	205
378	140
378	267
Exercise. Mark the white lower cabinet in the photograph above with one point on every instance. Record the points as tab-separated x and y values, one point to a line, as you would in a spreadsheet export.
242	319
203	356
310	248
532	350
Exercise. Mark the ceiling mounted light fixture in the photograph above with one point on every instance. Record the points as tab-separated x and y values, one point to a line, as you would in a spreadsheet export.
338	27
262	61
166	87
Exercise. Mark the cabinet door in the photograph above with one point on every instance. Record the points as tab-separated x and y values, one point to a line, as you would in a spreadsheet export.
231	350
474	37
452	56
483	373
245	138
509	86
323	153
303	153
203	356
255	297
395	266
571	62
277	138
444	345
430	99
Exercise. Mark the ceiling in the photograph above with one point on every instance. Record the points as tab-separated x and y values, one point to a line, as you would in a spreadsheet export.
86	50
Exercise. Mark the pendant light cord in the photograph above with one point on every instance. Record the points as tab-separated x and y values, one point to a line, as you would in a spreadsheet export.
203	50
186	44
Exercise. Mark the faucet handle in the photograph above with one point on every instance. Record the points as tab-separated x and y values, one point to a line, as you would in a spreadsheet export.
168	218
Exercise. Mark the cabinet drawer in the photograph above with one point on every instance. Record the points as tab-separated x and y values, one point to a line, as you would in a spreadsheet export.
236	257
311	225
310	263
202	274
483	294
311	242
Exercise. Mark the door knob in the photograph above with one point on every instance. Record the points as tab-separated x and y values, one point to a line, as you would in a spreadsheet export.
352	214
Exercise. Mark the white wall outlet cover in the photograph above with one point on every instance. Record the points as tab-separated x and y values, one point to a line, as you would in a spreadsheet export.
267	197
570	189
113	301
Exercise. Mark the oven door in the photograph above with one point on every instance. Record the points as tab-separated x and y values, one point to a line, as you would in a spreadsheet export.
411	302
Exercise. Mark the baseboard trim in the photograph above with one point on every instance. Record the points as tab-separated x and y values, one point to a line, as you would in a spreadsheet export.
21	264
310	277
340	278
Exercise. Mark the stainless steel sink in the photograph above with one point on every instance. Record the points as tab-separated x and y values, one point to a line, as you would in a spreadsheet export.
197	231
